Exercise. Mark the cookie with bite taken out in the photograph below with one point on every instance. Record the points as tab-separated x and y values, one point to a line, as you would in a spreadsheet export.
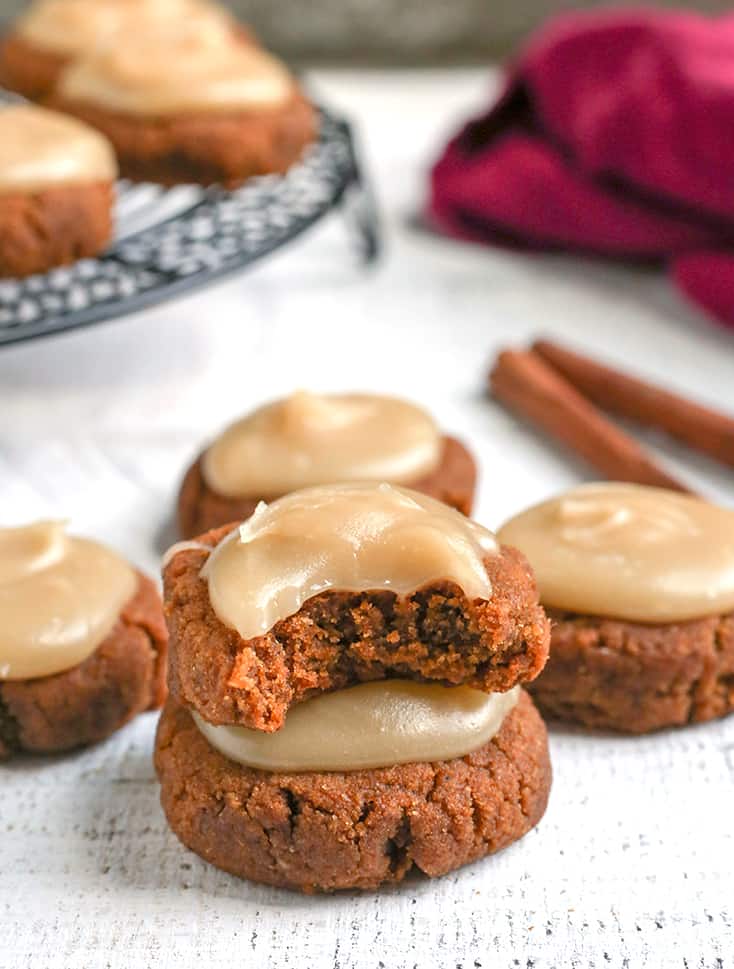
346	699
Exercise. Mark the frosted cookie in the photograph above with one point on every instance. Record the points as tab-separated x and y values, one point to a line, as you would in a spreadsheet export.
51	34
56	190
345	700
310	439
191	105
639	585
336	585
83	643
321	831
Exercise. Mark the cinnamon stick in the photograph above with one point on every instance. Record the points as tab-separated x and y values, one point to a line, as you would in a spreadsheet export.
527	385
701	428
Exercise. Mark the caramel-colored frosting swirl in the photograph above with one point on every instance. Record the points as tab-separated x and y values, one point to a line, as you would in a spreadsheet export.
354	537
75	27
59	598
630	552
41	149
310	439
197	66
368	726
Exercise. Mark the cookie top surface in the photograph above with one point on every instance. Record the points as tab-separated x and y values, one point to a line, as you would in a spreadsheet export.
311	439
370	725
70	28
629	552
41	149
197	65
353	537
59	598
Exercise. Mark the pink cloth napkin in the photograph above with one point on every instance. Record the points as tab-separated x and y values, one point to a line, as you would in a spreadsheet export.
614	136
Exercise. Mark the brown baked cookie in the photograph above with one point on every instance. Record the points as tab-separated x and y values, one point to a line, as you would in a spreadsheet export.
340	638
205	149
124	676
27	69
634	677
326	831
641	585
201	509
53	227
56	190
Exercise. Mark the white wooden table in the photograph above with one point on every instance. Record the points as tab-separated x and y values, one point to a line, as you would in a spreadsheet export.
632	865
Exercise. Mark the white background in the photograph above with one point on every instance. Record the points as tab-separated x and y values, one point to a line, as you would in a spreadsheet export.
632	865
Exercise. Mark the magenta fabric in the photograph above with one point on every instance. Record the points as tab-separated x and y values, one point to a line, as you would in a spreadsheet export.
614	136
707	278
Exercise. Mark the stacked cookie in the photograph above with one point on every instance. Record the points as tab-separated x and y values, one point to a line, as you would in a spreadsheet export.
345	703
181	91
83	646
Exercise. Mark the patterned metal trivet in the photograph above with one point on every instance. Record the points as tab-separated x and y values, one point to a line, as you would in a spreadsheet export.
170	241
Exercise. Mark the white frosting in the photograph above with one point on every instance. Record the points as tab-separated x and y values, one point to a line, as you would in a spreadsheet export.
41	149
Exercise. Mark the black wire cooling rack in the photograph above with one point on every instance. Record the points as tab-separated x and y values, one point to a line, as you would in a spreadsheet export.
170	241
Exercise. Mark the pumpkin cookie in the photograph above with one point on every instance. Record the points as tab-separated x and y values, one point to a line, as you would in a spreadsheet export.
309	439
639	586
318	831
191	105
480	624
84	641
345	691
56	190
